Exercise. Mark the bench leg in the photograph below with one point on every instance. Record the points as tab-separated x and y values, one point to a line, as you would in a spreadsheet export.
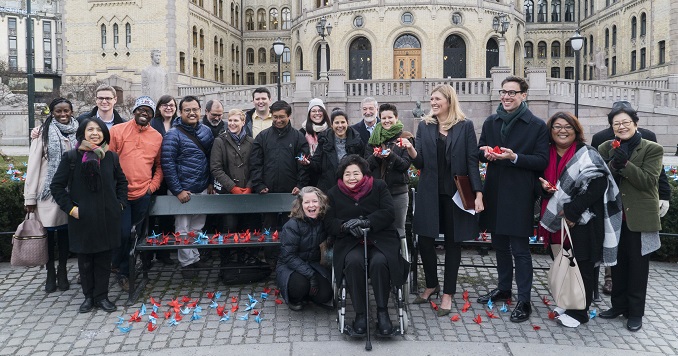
134	287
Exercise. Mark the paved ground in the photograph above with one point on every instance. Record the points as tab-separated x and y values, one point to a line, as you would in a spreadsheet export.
35	323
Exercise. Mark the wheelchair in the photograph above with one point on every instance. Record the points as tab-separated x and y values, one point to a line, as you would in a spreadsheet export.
399	297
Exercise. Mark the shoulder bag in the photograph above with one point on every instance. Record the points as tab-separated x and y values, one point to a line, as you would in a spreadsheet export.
29	243
565	281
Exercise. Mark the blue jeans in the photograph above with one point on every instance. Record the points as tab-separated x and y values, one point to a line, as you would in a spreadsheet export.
133	213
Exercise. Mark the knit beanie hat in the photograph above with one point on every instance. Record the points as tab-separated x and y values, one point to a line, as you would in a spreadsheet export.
315	102
144	101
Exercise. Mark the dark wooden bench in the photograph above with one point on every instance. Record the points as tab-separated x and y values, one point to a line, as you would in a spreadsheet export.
200	204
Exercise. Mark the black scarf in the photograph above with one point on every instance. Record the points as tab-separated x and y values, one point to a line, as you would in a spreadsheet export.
508	118
627	146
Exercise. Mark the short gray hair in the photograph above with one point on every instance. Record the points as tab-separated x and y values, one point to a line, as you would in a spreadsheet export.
369	99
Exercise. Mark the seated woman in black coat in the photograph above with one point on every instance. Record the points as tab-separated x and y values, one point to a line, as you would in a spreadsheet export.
300	276
96	196
359	201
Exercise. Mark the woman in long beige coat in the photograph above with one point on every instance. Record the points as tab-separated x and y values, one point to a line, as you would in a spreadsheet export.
57	135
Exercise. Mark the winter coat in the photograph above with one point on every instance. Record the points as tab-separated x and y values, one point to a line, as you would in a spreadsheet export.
47	211
299	251
462	160
117	119
362	130
638	184
325	161
377	207
229	162
184	165
98	227
392	169
274	163
511	188
216	130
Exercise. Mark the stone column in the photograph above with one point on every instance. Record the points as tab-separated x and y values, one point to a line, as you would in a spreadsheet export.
538	94
645	100
302	90
498	76
336	91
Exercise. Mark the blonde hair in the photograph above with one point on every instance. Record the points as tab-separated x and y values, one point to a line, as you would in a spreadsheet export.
236	112
454	114
297	211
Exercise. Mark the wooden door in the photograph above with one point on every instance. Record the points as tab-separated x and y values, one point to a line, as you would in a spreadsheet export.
407	63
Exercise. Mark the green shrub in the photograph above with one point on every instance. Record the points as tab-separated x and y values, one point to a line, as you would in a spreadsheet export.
12	212
669	250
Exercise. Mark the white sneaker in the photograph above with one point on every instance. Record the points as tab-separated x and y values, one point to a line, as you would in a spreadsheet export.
567	321
559	311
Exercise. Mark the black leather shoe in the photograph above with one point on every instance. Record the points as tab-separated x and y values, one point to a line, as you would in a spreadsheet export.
496	295
634	323
521	312
87	305
50	283
62	279
384	326
611	313
106	305
360	324
295	306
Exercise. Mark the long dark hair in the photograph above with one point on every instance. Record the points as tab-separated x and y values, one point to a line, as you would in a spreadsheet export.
91	170
45	125
309	122
164	100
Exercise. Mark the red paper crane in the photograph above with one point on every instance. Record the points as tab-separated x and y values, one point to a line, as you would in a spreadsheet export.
545	300
234	299
552	315
177	316
434	305
151	326
616	143
168	314
185	299
220	310
210	295
491	315
135	317
478	319
154	302
455	317
465	295
275	235
466	306
536	327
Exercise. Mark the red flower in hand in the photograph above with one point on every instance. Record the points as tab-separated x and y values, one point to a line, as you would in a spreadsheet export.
497	150
616	143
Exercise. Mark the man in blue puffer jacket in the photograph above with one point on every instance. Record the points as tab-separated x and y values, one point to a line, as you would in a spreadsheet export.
185	163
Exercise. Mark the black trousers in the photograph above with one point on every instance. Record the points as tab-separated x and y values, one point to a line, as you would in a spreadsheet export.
509	248
586	268
57	238
629	276
299	286
452	250
354	272
95	270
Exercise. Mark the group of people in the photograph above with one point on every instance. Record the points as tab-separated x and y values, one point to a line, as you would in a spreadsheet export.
351	183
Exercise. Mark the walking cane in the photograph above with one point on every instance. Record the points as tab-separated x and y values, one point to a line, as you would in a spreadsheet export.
368	342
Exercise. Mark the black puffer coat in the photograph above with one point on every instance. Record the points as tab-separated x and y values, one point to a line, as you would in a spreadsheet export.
325	161
299	251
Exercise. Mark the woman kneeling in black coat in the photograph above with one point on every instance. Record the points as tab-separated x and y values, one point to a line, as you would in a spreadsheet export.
300	276
359	201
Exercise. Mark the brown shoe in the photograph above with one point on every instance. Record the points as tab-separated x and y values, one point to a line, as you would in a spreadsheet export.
607	287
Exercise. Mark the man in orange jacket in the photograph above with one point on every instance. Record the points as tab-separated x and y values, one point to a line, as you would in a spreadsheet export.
138	145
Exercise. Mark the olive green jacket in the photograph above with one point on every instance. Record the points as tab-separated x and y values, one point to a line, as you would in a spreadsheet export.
638	184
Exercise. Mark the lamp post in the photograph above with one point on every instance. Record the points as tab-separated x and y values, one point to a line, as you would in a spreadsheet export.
500	25
576	41
323	28
278	48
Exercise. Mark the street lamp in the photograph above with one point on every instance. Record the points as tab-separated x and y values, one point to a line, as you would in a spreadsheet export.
577	42
324	29
500	25
278	48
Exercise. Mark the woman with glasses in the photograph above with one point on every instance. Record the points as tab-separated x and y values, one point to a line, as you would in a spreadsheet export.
165	113
635	164
577	186
317	122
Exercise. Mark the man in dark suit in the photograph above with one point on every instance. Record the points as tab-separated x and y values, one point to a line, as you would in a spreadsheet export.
514	143
664	187
368	108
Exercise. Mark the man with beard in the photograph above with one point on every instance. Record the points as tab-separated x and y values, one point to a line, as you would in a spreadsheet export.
368	108
138	145
212	119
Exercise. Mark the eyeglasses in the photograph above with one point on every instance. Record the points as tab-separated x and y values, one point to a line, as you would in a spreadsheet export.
510	93
103	98
316	111
625	123
168	106
188	111
557	128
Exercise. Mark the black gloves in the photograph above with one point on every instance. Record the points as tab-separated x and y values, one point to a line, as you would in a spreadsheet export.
354	226
619	159
314	286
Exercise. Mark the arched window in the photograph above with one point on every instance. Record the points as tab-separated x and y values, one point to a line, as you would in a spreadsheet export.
614	35
491	56
529	10
237	56
261	56
529	49
261	19
221	16
555	49
454	57
103	36
237	25
607	38
128	35
273	57
569	52
300	59
634	27
202	39
249	54
541	10
643	24
555	11
286	18
115	36
273	19
541	50
360	59
221	47
232	52
232	15
195	37
249	19
407	41
287	55
216	46
569	10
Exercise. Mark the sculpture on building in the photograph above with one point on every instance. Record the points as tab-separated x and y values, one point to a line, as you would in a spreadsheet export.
600	71
154	78
418	112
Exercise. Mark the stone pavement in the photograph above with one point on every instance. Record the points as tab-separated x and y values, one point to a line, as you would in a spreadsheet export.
35	323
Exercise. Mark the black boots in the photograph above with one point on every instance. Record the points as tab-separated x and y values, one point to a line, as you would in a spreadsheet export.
62	277
384	326
50	284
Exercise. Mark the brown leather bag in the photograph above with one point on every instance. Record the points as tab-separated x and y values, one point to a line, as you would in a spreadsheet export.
29	243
